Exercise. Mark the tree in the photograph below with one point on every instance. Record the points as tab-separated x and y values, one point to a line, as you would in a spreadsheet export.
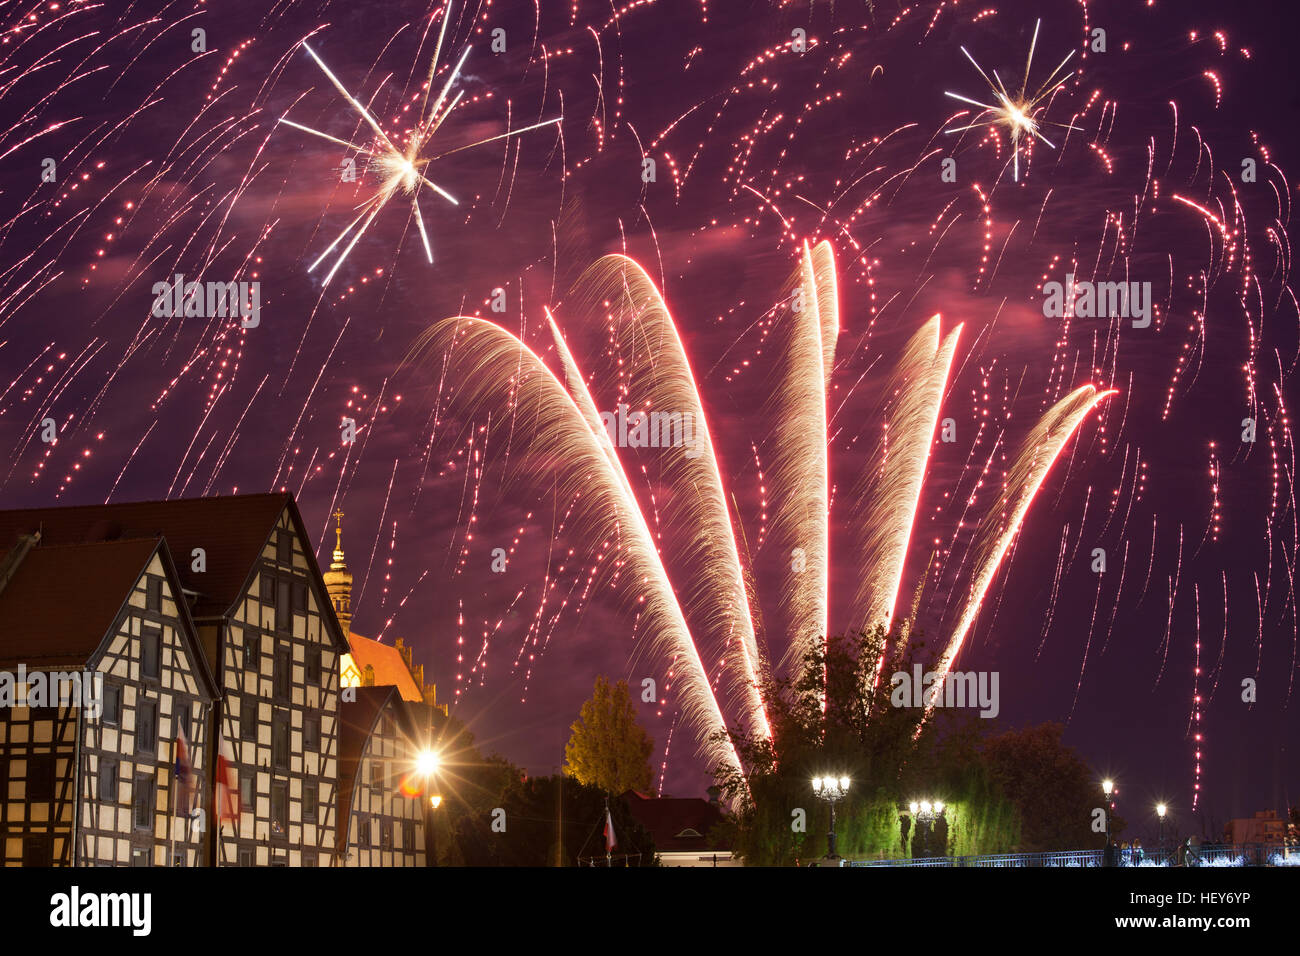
837	716
608	748
1051	786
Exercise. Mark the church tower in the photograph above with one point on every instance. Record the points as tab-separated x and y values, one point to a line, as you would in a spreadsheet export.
338	579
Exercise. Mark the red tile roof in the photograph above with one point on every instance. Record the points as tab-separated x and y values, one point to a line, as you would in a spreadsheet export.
231	529
62	601
670	821
390	668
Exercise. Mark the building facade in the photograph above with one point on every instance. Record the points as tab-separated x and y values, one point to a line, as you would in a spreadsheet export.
107	684
247	578
385	806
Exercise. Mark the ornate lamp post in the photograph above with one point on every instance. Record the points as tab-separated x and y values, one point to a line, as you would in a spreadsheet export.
1161	810
924	815
832	790
1108	853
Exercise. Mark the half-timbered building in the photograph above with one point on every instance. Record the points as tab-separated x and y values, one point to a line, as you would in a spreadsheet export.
273	643
101	679
384	799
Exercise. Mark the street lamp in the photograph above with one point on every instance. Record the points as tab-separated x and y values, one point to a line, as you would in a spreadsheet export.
1108	853
1161	810
832	790
924	815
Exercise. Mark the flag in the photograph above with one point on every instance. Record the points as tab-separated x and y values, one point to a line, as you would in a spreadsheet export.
227	778
610	841
183	772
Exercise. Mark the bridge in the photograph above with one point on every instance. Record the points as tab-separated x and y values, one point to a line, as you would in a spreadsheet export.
1205	855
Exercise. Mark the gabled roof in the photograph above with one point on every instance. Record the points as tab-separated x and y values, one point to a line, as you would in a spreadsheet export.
232	530
59	608
389	666
670	820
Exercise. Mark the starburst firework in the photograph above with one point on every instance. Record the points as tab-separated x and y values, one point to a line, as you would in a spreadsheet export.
1020	113
401	169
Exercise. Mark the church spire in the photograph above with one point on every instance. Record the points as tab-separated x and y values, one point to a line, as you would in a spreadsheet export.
338	579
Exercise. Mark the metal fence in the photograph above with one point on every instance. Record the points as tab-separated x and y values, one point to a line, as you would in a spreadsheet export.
1208	855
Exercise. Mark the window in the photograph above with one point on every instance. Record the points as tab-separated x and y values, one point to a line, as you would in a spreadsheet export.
279	861
153	594
408	836
387	724
309	859
310	801
112	705
386	834
36	851
140	857
40	778
283	606
279	809
284	547
146	730
377	775
300	597
252	653
178	857
280	740
311	733
247	789
363	831
245	856
283	673
248	719
150	652
313	665
107	781
267	590
143	802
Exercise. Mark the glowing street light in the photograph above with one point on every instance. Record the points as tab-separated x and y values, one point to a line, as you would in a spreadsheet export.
924	815
832	790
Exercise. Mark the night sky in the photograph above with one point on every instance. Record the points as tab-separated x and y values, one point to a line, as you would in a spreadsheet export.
172	161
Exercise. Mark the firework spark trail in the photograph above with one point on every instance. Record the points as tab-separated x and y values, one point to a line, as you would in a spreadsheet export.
798	462
889	495
564	443
1038	452
656	375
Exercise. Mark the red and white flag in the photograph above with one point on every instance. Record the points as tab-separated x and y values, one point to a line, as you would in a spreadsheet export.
227	777
183	771
610	841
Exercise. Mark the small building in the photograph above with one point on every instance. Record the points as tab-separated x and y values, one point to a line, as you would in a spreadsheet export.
683	828
384	799
101	676
1264	827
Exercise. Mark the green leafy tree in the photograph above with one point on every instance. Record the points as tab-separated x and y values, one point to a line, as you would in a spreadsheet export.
608	748
837	717
1053	789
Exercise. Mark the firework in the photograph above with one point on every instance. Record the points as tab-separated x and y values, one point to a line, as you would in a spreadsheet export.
401	169
1020	114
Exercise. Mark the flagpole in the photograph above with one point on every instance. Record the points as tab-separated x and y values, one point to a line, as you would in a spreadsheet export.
171	800
607	824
